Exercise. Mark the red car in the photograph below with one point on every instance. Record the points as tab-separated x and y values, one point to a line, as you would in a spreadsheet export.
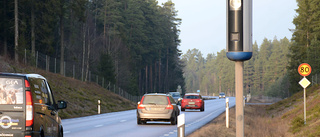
192	101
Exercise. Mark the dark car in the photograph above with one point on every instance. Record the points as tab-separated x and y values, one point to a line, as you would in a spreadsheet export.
222	95
176	96
192	101
27	106
157	107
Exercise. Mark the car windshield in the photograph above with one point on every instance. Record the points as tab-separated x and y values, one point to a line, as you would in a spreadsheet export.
192	97
156	100
175	94
221	93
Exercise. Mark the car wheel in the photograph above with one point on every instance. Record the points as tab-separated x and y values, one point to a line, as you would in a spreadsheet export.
202	108
61	132
173	120
139	121
183	109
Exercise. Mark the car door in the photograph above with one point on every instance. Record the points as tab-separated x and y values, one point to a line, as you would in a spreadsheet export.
50	112
54	117
175	106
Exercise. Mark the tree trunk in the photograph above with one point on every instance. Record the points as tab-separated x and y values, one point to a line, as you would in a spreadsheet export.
146	90
33	38
159	70
150	83
167	70
61	45
16	35
88	55
83	51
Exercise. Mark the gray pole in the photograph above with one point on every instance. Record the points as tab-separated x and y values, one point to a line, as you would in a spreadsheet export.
304	105
239	99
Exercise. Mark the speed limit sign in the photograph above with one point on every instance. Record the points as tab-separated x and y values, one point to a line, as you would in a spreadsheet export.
304	69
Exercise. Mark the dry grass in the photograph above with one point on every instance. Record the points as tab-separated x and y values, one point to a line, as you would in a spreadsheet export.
258	123
81	96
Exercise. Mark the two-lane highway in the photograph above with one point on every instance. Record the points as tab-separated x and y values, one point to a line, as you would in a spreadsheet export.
123	124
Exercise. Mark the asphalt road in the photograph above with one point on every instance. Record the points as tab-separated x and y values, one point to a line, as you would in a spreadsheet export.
124	124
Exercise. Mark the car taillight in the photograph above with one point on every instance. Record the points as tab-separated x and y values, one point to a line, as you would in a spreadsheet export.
140	105
169	106
29	109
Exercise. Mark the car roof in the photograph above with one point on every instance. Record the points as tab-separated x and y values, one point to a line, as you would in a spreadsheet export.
155	94
21	75
192	94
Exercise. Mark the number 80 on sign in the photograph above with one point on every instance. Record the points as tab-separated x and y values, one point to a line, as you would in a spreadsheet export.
304	69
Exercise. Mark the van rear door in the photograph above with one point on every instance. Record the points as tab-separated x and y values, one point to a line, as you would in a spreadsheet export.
12	106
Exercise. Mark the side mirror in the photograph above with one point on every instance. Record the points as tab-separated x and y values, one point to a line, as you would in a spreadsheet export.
62	104
138	103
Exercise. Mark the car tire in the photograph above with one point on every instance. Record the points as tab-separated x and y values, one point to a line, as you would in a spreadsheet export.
61	132
139	121
183	109
173	120
202	108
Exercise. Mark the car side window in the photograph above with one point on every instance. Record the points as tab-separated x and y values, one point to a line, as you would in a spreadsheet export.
45	92
172	100
50	96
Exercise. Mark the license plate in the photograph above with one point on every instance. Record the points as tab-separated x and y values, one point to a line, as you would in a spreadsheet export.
191	103
156	109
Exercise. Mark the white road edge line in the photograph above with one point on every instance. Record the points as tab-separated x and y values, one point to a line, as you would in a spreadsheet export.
98	126
123	121
66	132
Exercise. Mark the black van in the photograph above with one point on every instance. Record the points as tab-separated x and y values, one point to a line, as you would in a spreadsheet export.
27	107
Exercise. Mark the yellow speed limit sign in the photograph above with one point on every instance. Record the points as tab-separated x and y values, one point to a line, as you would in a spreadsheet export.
304	69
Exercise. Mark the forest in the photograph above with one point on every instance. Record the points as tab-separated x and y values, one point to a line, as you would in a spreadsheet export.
132	43
264	74
273	69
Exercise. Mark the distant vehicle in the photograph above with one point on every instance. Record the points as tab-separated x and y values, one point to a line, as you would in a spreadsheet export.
157	107
222	95
27	107
192	101
176	96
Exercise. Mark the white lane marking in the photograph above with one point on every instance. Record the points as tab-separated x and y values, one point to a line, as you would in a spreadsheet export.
123	121
174	130
171	132
98	126
166	135
66	132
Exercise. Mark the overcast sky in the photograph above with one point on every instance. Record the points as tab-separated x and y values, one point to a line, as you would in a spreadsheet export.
204	22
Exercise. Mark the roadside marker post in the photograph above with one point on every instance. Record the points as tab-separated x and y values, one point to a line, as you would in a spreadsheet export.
181	125
227	112
99	106
304	70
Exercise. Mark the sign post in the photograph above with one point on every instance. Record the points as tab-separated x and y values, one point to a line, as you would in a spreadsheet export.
304	70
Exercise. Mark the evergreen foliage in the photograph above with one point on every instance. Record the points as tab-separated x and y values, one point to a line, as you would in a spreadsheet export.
264	74
132	43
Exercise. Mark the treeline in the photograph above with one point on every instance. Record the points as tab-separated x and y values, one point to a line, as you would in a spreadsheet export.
132	43
264	74
306	41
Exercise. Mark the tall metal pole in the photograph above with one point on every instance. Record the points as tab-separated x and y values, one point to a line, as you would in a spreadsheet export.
239	99
304	105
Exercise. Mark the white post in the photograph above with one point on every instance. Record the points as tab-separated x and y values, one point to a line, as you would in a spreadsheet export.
99	106
244	101
181	125
227	112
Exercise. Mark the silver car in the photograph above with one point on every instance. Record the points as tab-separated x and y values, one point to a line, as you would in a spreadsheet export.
157	107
